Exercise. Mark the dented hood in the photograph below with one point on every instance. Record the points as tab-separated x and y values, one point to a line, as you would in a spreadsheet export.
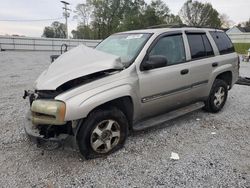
78	62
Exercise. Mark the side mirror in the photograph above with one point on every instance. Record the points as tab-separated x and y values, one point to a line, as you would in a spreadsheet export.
154	61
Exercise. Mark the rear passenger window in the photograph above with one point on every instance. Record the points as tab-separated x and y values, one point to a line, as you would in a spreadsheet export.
223	42
208	47
199	45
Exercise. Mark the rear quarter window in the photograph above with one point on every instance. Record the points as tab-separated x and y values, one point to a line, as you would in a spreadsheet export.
222	42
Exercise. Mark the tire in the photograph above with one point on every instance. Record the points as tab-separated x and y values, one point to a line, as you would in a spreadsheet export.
103	132
217	97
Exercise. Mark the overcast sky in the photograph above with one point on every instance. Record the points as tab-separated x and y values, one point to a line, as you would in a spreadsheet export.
237	10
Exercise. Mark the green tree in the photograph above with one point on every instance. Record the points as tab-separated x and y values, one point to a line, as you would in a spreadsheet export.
173	20
161	9
48	32
154	14
110	16
83	32
107	15
133	12
195	13
83	13
56	30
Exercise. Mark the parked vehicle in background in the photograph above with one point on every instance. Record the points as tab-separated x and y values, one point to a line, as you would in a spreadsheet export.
131	81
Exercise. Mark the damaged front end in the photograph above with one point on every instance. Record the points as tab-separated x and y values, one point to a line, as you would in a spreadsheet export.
45	123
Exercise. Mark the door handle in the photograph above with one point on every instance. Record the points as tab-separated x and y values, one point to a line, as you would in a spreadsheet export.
184	71
214	64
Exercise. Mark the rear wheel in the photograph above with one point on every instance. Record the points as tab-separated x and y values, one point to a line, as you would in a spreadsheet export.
217	97
103	132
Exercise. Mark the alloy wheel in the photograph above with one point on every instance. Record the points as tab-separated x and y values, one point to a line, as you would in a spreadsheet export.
105	136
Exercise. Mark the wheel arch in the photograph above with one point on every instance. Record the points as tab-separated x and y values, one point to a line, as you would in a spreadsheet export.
226	76
124	104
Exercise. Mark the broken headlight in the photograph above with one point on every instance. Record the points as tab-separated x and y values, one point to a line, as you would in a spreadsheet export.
48	112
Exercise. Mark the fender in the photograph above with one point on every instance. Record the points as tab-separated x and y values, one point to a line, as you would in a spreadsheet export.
216	72
79	106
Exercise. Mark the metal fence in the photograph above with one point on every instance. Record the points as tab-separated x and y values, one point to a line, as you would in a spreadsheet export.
54	44
41	44
240	37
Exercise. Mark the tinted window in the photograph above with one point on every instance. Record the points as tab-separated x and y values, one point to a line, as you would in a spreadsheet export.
199	46
223	42
172	48
208	47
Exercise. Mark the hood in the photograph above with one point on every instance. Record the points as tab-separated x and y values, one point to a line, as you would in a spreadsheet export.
78	62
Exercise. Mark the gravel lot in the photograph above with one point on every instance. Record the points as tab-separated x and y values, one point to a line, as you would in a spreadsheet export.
206	160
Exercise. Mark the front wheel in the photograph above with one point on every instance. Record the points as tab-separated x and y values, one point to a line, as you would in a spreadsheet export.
217	97
103	132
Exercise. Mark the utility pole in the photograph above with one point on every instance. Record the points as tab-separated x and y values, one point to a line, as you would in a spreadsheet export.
66	15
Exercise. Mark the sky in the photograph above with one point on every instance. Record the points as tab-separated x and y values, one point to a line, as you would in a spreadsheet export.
237	10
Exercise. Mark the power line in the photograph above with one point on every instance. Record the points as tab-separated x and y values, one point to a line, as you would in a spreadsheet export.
39	20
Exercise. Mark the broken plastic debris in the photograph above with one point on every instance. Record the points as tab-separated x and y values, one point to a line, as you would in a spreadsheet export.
213	132
198	119
174	156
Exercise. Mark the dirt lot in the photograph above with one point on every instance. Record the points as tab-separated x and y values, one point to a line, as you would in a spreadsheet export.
220	159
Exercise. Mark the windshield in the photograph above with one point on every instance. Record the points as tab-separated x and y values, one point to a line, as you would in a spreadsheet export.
126	46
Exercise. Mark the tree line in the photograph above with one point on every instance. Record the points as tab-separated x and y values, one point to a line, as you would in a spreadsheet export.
97	19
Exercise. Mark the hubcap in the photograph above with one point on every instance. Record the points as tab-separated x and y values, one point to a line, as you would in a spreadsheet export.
219	96
105	136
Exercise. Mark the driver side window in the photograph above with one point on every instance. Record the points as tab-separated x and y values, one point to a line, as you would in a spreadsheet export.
171	47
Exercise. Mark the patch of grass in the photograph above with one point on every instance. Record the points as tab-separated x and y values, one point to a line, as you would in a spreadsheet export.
241	48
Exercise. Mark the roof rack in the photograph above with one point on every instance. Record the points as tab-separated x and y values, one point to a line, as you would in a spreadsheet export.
166	26
180	26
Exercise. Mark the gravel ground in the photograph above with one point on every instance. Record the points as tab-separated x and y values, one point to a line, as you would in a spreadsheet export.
206	160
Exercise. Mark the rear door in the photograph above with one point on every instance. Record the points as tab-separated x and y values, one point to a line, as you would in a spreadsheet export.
202	61
227	56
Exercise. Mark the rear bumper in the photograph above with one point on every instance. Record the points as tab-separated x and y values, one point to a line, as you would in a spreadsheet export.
34	136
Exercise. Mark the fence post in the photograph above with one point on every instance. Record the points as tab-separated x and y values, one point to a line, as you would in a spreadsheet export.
13	43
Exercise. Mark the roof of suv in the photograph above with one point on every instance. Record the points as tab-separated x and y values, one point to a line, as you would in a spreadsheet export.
162	30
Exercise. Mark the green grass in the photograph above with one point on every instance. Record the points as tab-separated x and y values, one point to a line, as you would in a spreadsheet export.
241	48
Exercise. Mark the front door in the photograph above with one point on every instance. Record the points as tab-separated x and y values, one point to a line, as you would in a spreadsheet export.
168	87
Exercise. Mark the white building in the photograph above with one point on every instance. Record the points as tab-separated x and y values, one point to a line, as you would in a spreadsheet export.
238	30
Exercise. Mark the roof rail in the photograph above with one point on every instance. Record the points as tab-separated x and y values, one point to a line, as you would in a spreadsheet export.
166	26
181	26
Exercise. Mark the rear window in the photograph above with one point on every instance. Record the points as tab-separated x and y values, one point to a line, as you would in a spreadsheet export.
200	46
223	42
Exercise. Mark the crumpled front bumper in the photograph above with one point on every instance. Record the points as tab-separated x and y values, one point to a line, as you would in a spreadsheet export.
33	134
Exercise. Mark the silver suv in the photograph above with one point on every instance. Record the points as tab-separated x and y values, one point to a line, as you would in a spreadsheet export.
131	81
